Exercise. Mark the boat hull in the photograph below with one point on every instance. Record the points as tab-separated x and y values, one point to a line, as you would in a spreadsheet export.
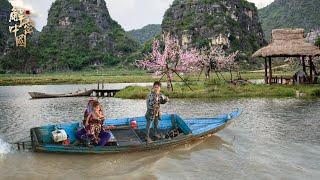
38	95
188	136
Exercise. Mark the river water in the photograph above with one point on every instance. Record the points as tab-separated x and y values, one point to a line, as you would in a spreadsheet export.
273	139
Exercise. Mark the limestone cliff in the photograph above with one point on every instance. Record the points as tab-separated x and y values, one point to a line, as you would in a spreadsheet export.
232	23
5	8
81	32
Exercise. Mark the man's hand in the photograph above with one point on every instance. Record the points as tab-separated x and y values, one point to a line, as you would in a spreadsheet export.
163	99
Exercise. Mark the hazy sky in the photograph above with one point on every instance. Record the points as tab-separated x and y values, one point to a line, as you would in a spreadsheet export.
131	14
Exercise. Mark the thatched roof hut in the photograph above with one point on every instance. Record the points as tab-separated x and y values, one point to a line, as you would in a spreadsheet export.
288	43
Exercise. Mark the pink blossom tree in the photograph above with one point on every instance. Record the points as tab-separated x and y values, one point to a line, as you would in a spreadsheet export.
207	61
217	59
227	62
170	60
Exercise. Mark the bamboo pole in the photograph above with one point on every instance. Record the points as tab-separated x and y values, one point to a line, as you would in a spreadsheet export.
162	77
183	80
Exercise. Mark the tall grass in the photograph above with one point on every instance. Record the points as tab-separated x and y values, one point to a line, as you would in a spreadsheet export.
114	75
221	89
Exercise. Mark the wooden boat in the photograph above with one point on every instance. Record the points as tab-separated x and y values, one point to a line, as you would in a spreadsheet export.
125	139
73	94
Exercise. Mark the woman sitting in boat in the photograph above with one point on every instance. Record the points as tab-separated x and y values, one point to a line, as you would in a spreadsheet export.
93	130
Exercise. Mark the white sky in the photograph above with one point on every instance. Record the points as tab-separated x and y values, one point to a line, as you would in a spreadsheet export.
131	14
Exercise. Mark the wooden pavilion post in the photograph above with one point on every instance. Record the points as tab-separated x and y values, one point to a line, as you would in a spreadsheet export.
270	71
310	65
265	71
304	65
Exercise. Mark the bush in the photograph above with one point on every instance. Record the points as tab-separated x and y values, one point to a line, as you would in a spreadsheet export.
316	92
134	92
317	43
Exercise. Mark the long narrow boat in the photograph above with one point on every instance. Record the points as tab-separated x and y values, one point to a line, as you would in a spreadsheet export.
174	129
73	94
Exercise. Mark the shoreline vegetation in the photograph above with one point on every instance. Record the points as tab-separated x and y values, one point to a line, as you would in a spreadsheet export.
83	77
108	76
212	88
223	90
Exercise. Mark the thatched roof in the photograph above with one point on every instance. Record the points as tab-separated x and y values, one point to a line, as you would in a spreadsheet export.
288	43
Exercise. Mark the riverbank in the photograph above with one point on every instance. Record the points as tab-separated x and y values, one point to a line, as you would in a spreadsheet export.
86	77
105	76
214	88
225	91
72	79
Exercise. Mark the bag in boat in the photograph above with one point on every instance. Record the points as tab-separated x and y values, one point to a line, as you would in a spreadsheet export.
59	135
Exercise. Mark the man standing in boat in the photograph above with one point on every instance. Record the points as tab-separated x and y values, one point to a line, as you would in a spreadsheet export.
155	98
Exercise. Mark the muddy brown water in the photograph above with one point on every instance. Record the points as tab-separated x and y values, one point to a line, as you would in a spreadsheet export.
273	139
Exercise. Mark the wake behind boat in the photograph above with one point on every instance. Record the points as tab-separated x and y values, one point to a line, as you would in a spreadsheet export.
125	138
79	93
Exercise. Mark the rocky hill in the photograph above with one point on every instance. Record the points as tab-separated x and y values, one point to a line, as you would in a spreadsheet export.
146	33
81	33
5	8
290	14
232	23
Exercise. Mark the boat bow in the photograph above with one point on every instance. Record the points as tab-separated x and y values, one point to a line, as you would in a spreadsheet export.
202	126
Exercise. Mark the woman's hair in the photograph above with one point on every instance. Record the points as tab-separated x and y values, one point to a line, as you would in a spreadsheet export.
89	107
95	104
90	101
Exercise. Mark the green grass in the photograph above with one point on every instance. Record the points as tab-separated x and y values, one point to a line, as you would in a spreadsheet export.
115	75
224	90
72	79
86	77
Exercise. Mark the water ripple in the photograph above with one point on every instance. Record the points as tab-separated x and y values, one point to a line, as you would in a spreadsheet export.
273	139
